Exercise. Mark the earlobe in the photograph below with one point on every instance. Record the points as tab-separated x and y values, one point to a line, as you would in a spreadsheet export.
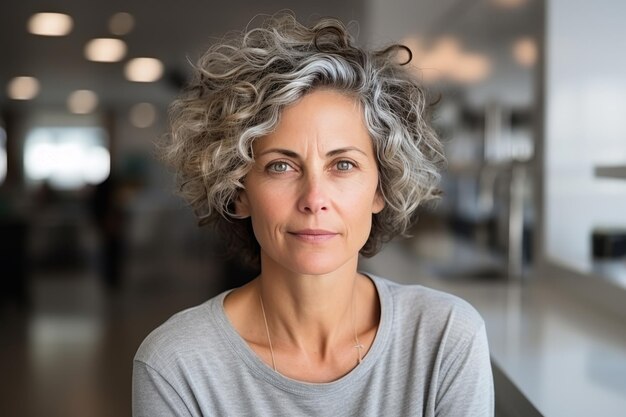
242	208
379	203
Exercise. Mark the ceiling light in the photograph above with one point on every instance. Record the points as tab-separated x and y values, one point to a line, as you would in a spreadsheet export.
121	23
445	54
105	50
416	45
509	4
143	70
50	24
447	60
23	88
525	52
440	60
82	101
471	68
142	115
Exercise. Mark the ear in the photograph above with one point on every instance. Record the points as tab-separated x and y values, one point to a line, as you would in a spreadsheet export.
242	205
379	203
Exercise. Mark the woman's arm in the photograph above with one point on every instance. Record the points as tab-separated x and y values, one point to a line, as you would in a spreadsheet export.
466	384
153	396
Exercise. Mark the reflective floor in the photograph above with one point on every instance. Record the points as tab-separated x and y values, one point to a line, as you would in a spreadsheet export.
71	354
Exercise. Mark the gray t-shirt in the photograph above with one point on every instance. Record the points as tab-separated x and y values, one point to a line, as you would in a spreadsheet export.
429	358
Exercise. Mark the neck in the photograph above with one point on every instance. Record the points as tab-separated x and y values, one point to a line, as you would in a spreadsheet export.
310	313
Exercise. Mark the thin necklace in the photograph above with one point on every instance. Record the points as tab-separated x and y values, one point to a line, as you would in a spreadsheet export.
357	345
267	330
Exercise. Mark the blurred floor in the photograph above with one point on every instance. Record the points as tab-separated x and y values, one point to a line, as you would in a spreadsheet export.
71	353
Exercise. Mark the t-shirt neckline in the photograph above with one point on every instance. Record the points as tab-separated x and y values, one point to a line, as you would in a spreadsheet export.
262	371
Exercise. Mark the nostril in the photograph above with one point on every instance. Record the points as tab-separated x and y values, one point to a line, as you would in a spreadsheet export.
313	199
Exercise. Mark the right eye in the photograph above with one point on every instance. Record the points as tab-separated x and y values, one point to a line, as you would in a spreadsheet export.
279	167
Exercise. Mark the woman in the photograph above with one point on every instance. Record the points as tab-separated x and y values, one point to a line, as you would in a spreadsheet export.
308	151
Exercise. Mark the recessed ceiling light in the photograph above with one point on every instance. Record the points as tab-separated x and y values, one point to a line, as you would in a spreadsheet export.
142	115
509	4
143	70
440	60
471	68
82	101
23	88
525	52
447	60
416	46
105	50
121	23
50	24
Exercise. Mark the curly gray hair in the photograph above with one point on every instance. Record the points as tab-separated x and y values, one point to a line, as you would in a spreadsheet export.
238	91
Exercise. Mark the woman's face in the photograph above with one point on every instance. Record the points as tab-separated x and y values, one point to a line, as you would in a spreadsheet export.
313	186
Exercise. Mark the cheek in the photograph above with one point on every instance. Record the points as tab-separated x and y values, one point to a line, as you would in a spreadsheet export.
266	210
359	195
357	210
268	204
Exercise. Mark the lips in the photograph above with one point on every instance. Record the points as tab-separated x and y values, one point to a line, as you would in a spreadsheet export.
313	235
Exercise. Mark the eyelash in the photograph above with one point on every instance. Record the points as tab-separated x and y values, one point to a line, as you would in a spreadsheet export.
272	166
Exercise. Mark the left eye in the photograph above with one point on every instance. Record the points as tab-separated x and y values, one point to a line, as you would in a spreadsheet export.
344	165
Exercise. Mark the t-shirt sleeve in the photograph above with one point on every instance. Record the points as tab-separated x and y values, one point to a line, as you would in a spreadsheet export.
153	396
466	386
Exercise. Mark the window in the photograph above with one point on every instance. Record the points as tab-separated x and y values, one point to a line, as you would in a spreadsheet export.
66	157
3	154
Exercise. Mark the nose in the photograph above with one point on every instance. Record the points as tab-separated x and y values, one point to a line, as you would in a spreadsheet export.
313	197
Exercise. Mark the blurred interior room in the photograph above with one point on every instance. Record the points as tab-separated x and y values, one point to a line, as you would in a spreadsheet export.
97	249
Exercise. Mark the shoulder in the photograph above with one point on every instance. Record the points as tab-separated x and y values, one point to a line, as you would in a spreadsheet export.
184	334
432	310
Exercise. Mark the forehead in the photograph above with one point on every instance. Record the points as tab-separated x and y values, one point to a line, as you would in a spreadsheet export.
323	119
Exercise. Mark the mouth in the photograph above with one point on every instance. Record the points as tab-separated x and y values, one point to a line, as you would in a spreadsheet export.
313	235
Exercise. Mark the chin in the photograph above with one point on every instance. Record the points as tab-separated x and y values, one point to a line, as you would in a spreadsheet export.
318	264
314	263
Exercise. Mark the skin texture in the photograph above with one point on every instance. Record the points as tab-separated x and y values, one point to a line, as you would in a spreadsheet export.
311	194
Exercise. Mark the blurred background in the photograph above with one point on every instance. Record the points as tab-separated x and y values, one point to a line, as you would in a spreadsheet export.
96	249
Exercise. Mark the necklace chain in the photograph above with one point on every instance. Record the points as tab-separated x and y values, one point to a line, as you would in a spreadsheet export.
357	344
267	330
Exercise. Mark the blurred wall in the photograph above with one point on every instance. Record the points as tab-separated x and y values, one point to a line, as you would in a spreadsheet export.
585	125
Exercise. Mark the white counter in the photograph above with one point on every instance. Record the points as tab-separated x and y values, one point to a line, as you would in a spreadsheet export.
565	357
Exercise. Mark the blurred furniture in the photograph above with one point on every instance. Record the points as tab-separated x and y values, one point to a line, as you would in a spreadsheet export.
615	171
13	271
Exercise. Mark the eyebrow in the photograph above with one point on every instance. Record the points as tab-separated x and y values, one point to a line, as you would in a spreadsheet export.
292	154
